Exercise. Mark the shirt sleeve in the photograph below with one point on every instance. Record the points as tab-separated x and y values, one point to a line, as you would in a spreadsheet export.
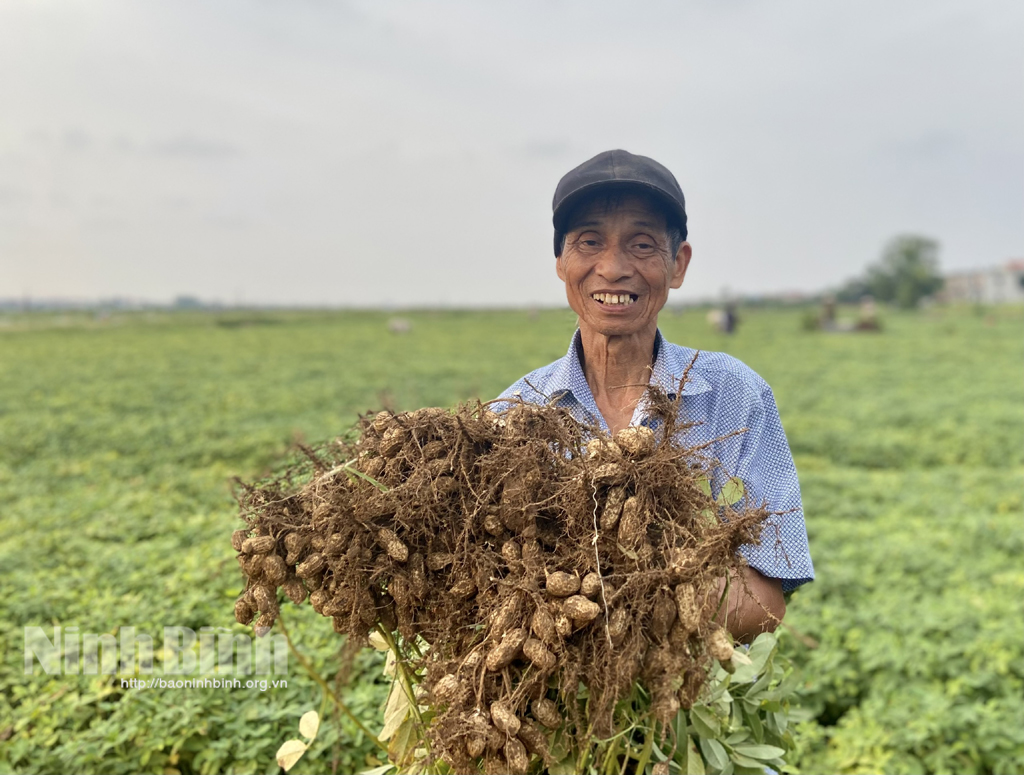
765	464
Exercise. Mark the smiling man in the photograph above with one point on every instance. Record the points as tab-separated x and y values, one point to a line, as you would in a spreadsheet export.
620	247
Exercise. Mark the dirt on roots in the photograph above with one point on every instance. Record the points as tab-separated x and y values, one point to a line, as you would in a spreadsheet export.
530	554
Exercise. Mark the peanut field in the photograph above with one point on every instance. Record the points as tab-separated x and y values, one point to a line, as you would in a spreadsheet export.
120	435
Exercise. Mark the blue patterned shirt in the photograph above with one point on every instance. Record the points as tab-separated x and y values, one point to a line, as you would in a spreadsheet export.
723	395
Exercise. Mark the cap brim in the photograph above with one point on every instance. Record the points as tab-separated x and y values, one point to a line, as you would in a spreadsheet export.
569	201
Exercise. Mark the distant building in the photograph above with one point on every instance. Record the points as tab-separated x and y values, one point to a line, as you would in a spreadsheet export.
998	285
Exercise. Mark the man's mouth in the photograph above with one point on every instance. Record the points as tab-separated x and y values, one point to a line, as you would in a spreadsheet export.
615	299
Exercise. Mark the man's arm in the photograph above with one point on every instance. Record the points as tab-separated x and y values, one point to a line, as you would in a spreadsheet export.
762	459
755	604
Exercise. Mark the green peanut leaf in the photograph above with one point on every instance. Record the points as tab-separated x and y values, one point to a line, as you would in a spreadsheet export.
704	483
758	751
706	723
715	753
732	492
746	761
694	762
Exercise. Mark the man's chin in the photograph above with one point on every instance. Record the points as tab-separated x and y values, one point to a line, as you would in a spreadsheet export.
613	327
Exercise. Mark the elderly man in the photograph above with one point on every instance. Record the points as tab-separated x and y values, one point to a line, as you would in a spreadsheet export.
620	246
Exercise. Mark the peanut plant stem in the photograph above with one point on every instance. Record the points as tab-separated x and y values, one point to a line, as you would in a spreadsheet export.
406	683
326	687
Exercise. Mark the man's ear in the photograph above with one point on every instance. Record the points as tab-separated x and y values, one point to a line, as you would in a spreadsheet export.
681	264
558	266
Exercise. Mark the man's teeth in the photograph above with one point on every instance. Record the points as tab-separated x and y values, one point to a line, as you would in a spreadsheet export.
613	298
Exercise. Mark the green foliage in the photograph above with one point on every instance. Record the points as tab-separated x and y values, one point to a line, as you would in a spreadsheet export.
120	437
920	666
744	725
907	272
851	292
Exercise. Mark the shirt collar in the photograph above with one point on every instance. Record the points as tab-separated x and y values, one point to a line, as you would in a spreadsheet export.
568	379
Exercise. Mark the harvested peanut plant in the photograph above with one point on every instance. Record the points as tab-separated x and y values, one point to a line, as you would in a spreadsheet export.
548	593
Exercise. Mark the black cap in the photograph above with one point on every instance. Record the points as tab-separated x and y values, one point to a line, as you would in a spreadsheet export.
620	169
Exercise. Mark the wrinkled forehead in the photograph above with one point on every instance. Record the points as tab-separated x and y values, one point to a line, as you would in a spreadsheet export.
603	206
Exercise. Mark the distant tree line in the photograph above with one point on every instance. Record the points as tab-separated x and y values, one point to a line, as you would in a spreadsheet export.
907	272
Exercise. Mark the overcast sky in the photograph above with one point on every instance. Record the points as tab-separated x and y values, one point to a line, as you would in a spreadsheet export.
372	153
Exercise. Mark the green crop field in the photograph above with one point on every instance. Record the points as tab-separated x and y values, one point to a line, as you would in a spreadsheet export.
119	437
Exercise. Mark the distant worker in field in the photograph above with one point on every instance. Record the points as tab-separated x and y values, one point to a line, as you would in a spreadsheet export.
729	318
620	246
867	314
724	320
827	317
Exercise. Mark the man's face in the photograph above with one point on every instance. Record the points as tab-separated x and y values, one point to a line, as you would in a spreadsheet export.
617	268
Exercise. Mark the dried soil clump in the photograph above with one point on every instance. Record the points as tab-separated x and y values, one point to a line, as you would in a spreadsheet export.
524	552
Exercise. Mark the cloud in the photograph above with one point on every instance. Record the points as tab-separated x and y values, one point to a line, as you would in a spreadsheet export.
77	140
930	147
546	148
382	148
198	148
11	196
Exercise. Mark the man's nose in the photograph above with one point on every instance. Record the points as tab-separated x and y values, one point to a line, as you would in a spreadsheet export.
614	265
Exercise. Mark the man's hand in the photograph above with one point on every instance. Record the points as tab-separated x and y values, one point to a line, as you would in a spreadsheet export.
755	604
